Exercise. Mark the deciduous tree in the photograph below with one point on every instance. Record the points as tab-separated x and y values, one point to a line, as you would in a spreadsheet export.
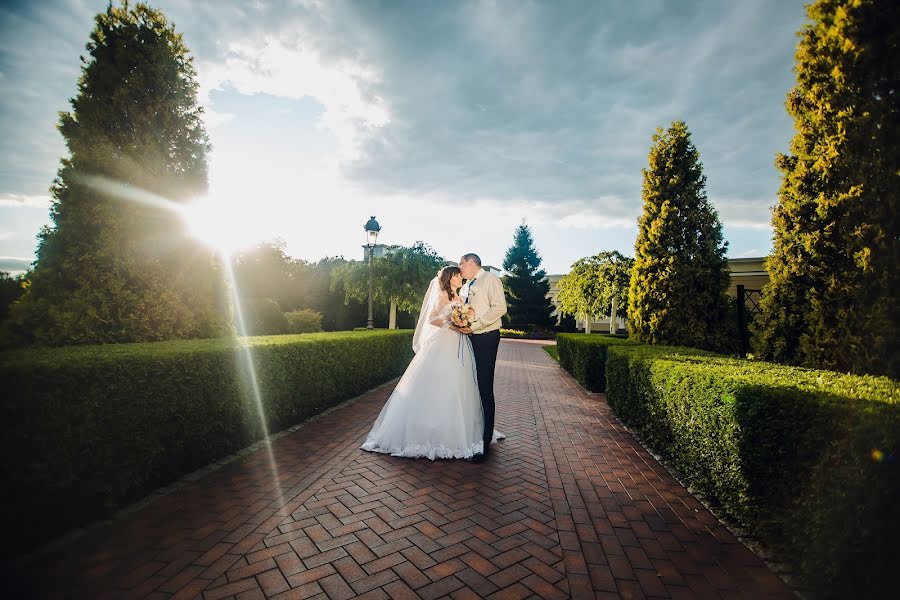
400	277
596	285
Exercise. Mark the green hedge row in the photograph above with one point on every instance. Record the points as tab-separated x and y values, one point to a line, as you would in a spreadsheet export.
584	356
89	429
806	459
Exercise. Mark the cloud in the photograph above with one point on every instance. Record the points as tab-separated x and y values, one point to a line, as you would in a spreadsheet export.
293	69
751	253
24	201
557	103
538	109
14	264
748	213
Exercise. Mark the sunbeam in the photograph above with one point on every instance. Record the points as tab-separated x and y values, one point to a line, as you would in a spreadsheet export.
193	218
246	355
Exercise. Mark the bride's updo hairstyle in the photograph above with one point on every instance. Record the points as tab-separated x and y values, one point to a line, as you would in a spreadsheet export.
444	280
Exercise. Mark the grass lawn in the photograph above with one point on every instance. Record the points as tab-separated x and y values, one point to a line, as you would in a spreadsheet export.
551	350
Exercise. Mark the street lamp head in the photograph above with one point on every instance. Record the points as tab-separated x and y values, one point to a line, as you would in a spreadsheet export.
372	228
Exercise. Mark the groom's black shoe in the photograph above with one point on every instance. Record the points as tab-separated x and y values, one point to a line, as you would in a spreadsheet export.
480	458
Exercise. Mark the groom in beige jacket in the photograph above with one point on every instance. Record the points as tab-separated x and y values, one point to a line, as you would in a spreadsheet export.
483	292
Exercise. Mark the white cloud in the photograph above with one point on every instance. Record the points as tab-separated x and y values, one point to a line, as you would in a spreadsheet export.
24	200
512	109
277	68
15	264
751	253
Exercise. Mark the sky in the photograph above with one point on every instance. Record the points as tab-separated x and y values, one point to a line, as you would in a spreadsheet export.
451	122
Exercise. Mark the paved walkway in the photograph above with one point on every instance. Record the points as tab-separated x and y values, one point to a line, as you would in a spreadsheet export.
569	506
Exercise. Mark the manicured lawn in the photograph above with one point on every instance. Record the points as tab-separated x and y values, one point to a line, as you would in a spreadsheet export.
551	350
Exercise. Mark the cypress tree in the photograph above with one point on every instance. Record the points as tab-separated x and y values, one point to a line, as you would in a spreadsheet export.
526	282
832	300
677	293
109	269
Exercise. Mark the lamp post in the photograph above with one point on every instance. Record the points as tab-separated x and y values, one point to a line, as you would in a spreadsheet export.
372	228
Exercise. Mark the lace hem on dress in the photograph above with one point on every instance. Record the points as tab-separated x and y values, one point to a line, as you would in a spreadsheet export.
430	451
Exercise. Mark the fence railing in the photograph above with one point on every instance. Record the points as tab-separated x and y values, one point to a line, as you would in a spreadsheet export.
747	307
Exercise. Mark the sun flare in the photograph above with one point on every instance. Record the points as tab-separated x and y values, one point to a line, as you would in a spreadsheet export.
224	225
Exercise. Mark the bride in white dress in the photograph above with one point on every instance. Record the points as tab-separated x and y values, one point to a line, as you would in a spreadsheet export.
435	410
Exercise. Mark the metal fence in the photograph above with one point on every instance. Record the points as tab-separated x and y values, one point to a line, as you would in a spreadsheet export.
747	307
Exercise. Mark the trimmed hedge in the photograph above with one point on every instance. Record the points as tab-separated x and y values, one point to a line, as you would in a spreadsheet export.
584	356
790	453
89	429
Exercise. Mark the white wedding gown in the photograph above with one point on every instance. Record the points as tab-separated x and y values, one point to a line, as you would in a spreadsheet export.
435	410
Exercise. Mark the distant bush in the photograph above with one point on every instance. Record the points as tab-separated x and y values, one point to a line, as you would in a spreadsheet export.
531	331
513	333
88	429
567	324
584	356
263	316
304	321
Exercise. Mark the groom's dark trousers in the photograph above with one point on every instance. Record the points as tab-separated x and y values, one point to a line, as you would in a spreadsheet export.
485	346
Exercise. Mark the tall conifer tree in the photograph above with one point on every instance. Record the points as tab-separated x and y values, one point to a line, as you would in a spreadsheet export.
526	282
832	301
109	269
680	276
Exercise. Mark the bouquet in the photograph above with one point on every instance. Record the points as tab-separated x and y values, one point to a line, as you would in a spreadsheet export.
461	315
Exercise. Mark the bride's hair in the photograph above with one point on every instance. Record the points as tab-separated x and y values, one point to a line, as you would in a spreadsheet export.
444	280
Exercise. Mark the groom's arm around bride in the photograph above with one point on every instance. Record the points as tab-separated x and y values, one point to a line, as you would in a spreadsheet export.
483	293
487	299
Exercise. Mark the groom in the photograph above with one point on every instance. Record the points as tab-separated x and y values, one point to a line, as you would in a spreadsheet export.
483	292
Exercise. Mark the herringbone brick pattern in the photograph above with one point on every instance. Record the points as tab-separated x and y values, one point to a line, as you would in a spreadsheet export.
568	506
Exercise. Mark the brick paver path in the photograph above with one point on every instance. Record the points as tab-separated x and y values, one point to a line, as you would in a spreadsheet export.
569	506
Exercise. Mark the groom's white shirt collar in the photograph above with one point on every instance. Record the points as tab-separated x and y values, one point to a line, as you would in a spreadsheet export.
478	274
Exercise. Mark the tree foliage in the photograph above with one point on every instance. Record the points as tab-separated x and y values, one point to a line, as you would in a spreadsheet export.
832	301
263	316
593	283
304	320
526	282
678	285
110	270
266	271
401	275
11	289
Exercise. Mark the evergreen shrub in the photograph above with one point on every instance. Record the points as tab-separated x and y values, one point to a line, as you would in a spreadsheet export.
806	459
584	356
263	316
89	429
304	320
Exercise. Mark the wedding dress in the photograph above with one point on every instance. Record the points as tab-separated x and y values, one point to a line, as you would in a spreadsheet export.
435	410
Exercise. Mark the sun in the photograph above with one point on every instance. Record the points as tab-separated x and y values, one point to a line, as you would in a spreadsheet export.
226	224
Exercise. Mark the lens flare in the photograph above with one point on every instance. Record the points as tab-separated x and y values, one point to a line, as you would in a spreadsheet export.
877	455
194	215
247	357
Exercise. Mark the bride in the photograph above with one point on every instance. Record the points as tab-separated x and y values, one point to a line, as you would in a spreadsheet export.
435	410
